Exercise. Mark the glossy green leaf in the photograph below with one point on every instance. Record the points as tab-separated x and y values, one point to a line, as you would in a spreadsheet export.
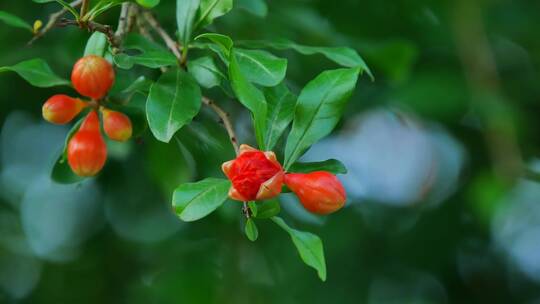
251	230
61	171
14	21
309	246
96	45
173	102
224	42
319	107
207	73
148	3
261	67
256	7
212	9
64	4
333	166
267	209
193	201
251	97
281	105
141	85
344	56
141	51
37	72
186	11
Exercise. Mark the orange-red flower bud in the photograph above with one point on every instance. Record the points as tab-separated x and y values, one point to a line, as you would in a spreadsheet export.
92	76
117	125
319	192
87	151
61	109
255	175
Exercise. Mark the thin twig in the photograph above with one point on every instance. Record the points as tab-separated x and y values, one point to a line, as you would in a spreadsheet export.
94	27
53	19
121	30
171	43
224	117
84	8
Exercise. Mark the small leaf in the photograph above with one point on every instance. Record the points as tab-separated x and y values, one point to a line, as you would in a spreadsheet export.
173	102
318	110
141	85
212	9
148	3
206	72
193	201
14	21
253	208
224	42
37	72
250	97
344	56
281	105
309	247
267	209
251	230
261	67
96	45
61	171
186	11
333	166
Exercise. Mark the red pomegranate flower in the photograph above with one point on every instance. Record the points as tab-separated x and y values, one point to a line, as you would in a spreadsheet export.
255	175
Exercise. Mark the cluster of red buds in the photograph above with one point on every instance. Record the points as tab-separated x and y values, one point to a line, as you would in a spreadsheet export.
92	77
256	175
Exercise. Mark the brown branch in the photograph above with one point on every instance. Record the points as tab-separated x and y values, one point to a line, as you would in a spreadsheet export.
225	118
171	43
94	27
53	19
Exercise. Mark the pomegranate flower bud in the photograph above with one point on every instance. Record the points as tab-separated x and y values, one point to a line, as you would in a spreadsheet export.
87	151
319	192
255	175
92	76
61	109
117	125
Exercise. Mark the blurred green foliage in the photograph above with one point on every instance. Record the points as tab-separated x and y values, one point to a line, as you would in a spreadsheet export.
429	60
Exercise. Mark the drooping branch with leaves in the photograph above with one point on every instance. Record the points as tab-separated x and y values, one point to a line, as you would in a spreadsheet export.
242	70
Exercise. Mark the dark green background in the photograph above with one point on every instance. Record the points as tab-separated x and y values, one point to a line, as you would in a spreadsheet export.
470	67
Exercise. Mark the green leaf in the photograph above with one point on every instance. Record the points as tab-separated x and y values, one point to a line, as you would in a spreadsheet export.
256	7
253	207
148	3
61	171
206	72
148	54
14	21
333	166
267	209
212	9
173	102
261	67
309	247
186	10
193	201
251	230
140	85
318	110
224	42
281	105
64	4
96	45
37	72
344	56
250	97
